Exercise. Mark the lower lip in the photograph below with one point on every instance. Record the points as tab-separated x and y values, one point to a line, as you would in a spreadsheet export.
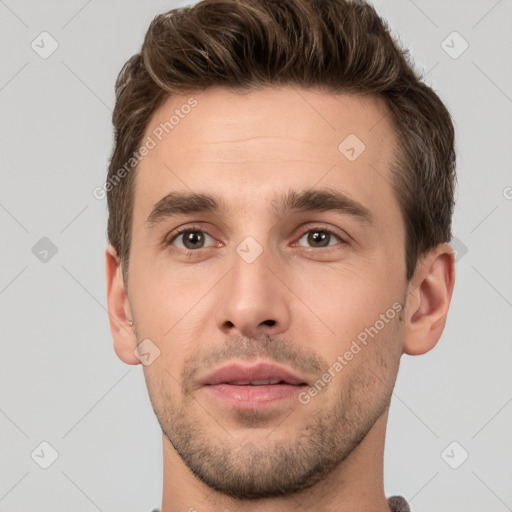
254	397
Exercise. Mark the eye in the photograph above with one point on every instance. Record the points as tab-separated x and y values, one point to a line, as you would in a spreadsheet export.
319	237
191	239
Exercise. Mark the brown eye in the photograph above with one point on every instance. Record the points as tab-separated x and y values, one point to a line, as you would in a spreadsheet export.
318	238
191	239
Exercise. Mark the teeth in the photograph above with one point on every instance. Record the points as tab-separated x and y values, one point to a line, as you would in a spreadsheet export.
264	382
257	382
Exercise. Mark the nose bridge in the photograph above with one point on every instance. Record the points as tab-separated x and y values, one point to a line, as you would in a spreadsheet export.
253	301
250	279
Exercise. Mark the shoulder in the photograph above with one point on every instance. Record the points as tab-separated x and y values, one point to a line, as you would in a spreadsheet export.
398	504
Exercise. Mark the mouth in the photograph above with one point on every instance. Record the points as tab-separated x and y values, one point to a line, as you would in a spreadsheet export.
256	386
261	374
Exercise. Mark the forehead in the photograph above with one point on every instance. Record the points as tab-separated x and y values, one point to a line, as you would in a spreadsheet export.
304	116
248	147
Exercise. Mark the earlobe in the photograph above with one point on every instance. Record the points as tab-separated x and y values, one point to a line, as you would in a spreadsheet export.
125	341
428	301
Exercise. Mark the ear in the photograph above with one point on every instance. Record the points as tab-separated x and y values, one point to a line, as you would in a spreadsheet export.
429	296
125	341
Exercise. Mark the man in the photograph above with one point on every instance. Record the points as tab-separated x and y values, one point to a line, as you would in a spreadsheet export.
280	197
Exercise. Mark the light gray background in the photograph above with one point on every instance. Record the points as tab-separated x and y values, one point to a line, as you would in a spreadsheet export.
60	380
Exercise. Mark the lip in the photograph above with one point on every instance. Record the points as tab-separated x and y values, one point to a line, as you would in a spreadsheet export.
240	374
231	385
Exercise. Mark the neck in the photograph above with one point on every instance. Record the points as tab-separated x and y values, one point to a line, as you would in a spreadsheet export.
355	485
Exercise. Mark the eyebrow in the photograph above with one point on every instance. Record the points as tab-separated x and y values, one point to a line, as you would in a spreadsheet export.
183	203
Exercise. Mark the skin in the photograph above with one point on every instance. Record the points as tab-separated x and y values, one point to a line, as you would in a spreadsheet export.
211	306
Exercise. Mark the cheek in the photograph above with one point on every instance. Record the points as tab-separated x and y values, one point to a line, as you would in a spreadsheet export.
173	308
353	337
345	299
163	294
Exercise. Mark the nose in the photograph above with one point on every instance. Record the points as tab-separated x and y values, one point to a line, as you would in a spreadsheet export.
252	300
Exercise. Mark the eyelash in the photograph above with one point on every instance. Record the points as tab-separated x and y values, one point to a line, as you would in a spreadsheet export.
188	229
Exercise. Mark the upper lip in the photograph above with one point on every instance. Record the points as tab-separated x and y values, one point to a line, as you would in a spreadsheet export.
243	374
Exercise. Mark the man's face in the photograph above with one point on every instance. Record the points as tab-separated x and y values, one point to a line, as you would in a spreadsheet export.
268	277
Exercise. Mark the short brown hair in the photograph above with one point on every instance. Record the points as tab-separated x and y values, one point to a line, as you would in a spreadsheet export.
340	46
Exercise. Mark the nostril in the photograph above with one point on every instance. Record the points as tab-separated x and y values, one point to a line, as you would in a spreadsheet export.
269	322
